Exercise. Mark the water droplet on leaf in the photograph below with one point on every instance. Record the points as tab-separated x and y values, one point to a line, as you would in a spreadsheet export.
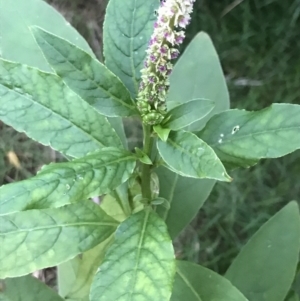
235	129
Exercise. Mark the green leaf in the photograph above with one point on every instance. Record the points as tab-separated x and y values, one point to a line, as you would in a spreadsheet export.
187	113
265	268
127	30
69	182
196	283
41	105
139	265
17	43
240	138
75	276
189	156
185	195
194	76
198	74
27	288
37	239
163	133
85	75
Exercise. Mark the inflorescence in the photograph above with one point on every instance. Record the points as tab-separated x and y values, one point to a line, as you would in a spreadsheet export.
172	17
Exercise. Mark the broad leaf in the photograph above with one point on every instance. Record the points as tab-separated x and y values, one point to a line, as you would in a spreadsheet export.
41	105
185	195
86	76
241	138
127	30
265	268
198	74
17	43
188	113
27	288
37	239
189	156
139	265
196	283
76	275
69	182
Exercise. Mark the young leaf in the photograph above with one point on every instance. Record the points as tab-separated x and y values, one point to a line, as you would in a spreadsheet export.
187	113
127	30
139	265
189	156
41	105
196	283
76	275
86	76
163	133
186	197
199	76
17	44
37	239
69	182
27	288
265	268
240	138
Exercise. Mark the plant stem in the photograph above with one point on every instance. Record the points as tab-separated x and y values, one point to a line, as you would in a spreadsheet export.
146	170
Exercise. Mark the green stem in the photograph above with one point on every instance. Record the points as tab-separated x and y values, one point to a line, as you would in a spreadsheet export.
146	169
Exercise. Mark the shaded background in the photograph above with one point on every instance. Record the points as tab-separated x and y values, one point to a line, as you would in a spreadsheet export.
258	42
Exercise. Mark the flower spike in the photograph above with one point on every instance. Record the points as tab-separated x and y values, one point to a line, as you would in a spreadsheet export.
172	18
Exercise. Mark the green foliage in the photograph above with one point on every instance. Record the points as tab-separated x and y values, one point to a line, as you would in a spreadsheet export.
86	76
17	42
189	156
26	288
69	182
36	239
140	264
196	283
198	74
241	138
31	102
127	29
75	276
187	113
189	80
185	195
121	249
270	258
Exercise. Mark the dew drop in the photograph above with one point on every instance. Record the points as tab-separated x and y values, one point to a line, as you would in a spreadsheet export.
235	129
141	38
221	135
220	141
136	53
68	186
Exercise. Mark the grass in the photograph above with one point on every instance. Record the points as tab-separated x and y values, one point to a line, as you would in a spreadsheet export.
258	43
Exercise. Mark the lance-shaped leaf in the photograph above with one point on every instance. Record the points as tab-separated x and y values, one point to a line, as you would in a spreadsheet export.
189	156
85	75
17	44
196	283
265	268
194	76
27	288
240	138
198	74
43	107
127	30
76	275
37	239
69	182
139	265
185	195
188	113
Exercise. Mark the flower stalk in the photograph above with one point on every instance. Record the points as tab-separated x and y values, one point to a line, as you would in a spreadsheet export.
172	17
